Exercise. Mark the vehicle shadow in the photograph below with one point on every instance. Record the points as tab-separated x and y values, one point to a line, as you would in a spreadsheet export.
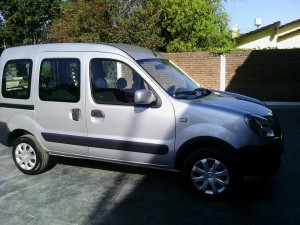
162	198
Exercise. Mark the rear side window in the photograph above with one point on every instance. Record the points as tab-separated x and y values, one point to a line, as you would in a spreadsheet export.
60	80
16	79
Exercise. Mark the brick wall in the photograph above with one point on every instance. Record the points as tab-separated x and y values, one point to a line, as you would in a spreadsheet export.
203	67
269	75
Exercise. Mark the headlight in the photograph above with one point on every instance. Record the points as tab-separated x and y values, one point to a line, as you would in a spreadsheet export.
260	126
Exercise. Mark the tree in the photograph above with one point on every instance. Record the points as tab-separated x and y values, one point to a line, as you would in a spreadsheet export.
191	25
2	37
127	21
138	22
164	25
83	21
25	21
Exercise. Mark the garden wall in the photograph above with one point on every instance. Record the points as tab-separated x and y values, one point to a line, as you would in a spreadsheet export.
269	75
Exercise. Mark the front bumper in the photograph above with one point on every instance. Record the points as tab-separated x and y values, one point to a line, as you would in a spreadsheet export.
261	160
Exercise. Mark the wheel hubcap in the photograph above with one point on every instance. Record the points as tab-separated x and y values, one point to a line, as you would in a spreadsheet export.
210	176
25	156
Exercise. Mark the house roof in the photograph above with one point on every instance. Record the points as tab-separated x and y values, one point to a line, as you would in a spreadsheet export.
273	25
265	36
291	23
289	34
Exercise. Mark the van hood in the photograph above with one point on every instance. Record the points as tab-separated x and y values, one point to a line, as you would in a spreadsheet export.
236	102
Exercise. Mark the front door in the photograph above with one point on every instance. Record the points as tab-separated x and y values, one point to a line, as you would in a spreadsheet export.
60	103
117	128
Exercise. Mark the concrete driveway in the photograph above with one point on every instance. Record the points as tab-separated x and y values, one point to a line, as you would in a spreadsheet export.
84	192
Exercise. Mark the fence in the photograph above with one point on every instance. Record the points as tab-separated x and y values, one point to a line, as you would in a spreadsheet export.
269	75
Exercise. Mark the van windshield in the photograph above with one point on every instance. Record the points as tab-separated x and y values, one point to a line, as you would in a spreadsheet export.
174	81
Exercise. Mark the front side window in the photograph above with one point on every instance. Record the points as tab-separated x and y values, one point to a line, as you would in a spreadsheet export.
60	80
16	79
114	82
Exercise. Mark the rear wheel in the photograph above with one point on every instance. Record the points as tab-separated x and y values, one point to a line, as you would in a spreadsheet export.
29	156
209	172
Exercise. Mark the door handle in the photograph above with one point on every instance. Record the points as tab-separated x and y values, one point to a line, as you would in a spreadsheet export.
75	114
97	114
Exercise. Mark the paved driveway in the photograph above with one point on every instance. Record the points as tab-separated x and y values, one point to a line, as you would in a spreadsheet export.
84	192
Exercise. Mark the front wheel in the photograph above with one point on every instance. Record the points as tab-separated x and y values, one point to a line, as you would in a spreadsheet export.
209	172
29	156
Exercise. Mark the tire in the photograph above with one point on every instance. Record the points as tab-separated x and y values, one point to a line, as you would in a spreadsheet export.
210	173
29	156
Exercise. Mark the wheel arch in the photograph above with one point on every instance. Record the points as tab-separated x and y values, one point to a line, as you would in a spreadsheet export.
194	144
15	134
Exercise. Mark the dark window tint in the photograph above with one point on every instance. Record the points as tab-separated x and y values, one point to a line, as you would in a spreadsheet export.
60	80
16	79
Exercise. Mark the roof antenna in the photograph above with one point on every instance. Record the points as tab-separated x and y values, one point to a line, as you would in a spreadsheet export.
154	53
257	22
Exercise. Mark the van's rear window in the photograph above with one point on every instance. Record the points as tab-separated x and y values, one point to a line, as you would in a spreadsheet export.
16	79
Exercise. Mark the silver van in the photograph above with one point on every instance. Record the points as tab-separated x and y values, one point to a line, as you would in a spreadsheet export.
126	104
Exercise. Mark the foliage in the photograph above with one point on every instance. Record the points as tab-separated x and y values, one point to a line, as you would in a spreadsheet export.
138	22
164	25
194	25
25	21
127	21
83	21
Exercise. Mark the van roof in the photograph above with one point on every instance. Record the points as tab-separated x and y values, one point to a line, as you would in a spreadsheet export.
122	49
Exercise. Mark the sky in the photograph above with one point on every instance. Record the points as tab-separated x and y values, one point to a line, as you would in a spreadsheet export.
244	12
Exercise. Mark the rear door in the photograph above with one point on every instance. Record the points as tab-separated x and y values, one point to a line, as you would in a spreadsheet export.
117	128
60	103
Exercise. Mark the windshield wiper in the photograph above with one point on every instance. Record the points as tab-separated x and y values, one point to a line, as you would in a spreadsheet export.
202	91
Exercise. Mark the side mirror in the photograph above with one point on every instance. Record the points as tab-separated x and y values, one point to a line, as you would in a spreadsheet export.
144	97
